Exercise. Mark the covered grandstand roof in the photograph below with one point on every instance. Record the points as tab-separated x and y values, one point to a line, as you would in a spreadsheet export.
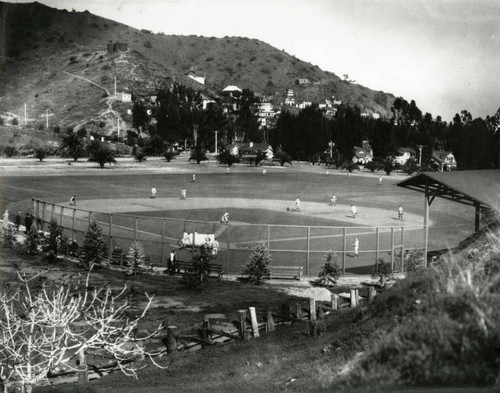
469	187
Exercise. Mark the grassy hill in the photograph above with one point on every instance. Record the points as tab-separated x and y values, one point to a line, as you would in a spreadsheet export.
46	52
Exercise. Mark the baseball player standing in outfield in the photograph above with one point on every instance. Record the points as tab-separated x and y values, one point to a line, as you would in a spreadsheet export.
353	211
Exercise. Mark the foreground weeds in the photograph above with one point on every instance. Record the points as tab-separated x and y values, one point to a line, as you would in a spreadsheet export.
451	336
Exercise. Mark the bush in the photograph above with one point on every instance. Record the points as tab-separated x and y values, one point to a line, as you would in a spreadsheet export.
56	241
330	271
136	258
382	271
257	267
139	154
41	153
10	151
32	240
94	248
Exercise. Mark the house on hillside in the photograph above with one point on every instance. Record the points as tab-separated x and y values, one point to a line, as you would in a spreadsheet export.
404	154
362	155
232	91
117	47
193	76
290	98
444	159
124	97
303	81
249	150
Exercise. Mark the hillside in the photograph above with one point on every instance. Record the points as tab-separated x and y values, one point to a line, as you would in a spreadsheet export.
46	52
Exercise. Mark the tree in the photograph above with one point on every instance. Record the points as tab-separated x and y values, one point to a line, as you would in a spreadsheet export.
283	157
136	257
257	267
94	247
388	165
198	154
155	146
373	166
410	166
45	325
225	157
330	271
138	153
139	115
349	166
41	153
102	155
73	146
261	156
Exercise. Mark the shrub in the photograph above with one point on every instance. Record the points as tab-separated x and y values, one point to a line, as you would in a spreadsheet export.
9	236
257	267
57	129
382	271
139	154
136	258
32	240
94	247
10	151
330	271
41	153
225	157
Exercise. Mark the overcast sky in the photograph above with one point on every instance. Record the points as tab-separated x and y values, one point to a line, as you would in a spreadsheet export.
444	54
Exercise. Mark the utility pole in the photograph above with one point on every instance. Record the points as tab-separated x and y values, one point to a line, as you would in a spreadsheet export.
215	141
420	147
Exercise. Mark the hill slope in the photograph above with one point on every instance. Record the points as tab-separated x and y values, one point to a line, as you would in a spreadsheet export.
46	52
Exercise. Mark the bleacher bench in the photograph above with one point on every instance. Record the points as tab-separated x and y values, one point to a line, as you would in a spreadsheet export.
116	257
188	267
295	272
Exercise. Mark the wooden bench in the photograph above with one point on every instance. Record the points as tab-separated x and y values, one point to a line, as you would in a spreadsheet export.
188	268
295	272
116	257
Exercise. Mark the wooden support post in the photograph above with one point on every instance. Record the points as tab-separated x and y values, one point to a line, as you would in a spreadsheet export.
392	249
308	256
377	245
269	237
52	212
204	332
321	313
344	250
83	372
426	223
90	217
335	301
312	309
270	327
402	249
298	310
163	242
371	293
135	228
285	311
171	342
228	250
110	224
353	298
61	216
255	324
43	216
242	316
477	217
356	292
73	223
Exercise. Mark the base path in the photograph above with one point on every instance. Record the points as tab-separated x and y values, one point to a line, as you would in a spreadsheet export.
339	214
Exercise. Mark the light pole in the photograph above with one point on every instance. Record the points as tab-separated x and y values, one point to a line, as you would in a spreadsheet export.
215	152
420	147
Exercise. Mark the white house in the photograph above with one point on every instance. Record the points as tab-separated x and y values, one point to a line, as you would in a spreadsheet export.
248	150
305	104
124	97
232	90
444	159
290	98
193	76
364	154
404	153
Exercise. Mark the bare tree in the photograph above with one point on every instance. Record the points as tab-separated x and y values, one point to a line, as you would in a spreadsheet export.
47	325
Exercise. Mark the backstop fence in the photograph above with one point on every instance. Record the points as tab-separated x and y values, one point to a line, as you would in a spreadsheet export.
289	245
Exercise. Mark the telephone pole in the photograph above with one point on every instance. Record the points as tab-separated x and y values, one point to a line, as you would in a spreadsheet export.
420	147
215	141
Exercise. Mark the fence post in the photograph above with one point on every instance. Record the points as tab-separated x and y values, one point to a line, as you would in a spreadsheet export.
110	234
163	241
242	316
335	301
308	257
402	248
90	217
344	249
270	327
377	246
392	249
255	324
298	310
135	228
73	223
171	342
228	246
371	293
43	216
61	216
83	373
312	309
268	237
353	298
52	212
